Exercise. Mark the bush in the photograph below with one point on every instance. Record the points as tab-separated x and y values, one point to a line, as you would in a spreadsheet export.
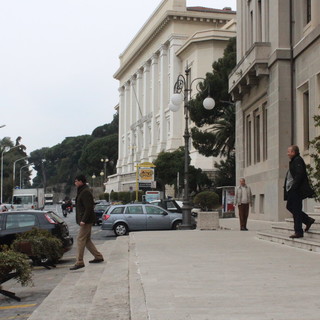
206	200
12	261
43	245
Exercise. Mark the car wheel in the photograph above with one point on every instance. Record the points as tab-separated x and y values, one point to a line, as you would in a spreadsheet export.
120	229
177	225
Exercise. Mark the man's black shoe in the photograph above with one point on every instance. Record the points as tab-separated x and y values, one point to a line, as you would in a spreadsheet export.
309	224
296	235
96	260
76	267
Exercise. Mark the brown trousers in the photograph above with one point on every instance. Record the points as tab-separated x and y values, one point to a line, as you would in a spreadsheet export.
84	241
243	214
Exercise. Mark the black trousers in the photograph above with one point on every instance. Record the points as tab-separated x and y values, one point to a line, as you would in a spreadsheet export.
243	214
294	205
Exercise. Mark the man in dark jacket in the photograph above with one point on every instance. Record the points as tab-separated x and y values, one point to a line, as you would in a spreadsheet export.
297	188
85	217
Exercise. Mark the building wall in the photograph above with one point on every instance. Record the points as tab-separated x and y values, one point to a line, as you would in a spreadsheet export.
276	88
172	38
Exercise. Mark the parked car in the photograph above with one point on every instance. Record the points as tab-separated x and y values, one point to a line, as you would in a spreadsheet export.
13	223
99	210
173	206
138	217
168	204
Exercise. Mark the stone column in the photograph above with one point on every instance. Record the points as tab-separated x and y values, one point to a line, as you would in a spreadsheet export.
175	138
163	97
154	105
125	119
121	129
146	111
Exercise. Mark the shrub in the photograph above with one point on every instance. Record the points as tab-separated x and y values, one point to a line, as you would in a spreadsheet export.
43	245
12	261
206	200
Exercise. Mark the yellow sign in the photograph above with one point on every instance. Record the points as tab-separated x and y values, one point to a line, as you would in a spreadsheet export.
146	174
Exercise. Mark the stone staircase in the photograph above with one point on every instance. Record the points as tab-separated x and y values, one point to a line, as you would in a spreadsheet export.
97	289
282	230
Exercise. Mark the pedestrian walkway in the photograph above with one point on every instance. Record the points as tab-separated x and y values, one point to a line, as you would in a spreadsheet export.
223	274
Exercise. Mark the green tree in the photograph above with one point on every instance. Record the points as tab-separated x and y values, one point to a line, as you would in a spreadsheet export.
14	152
62	162
218	138
170	164
314	167
215	131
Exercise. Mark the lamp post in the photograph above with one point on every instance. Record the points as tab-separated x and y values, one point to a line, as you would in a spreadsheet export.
101	175
93	177
184	83
14	170
27	165
6	149
104	161
3	125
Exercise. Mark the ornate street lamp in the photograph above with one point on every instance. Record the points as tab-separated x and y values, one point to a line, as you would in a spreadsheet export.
101	175
104	161
184	84
93	177
14	170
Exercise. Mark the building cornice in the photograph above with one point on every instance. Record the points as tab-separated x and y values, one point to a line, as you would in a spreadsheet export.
215	18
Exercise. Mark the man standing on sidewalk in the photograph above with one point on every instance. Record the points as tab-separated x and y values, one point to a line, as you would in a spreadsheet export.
85	217
243	198
297	188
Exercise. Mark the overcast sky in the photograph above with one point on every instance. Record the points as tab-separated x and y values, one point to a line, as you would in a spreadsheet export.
57	60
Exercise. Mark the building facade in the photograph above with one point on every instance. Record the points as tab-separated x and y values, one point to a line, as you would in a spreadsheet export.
173	37
276	87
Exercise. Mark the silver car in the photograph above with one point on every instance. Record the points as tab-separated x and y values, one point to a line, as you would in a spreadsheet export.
137	217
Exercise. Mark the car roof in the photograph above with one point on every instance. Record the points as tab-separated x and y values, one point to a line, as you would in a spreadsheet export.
28	211
136	204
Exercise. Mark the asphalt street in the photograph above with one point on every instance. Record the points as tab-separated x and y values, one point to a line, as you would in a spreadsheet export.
45	280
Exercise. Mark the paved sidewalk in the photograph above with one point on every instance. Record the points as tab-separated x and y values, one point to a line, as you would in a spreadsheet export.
224	274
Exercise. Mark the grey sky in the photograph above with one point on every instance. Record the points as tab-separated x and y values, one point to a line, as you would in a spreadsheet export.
57	60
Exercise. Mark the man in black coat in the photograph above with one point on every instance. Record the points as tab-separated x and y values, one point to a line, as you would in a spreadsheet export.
297	188
85	217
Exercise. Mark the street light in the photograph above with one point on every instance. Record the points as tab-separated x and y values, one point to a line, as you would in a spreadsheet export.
6	149
93	177
104	161
184	84
14	170
3	125
27	165
101	175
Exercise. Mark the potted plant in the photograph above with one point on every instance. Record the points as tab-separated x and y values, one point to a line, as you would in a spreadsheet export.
40	245
207	218
206	200
15	264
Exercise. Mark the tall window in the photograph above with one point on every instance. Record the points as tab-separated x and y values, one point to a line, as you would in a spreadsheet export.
265	131
306	136
257	136
248	139
308	11
259	24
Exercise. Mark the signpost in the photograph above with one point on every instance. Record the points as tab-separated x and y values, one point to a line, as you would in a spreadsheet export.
144	176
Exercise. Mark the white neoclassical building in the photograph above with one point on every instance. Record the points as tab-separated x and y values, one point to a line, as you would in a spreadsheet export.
276	86
173	36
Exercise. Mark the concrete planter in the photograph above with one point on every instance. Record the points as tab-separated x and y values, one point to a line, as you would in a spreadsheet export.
208	220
